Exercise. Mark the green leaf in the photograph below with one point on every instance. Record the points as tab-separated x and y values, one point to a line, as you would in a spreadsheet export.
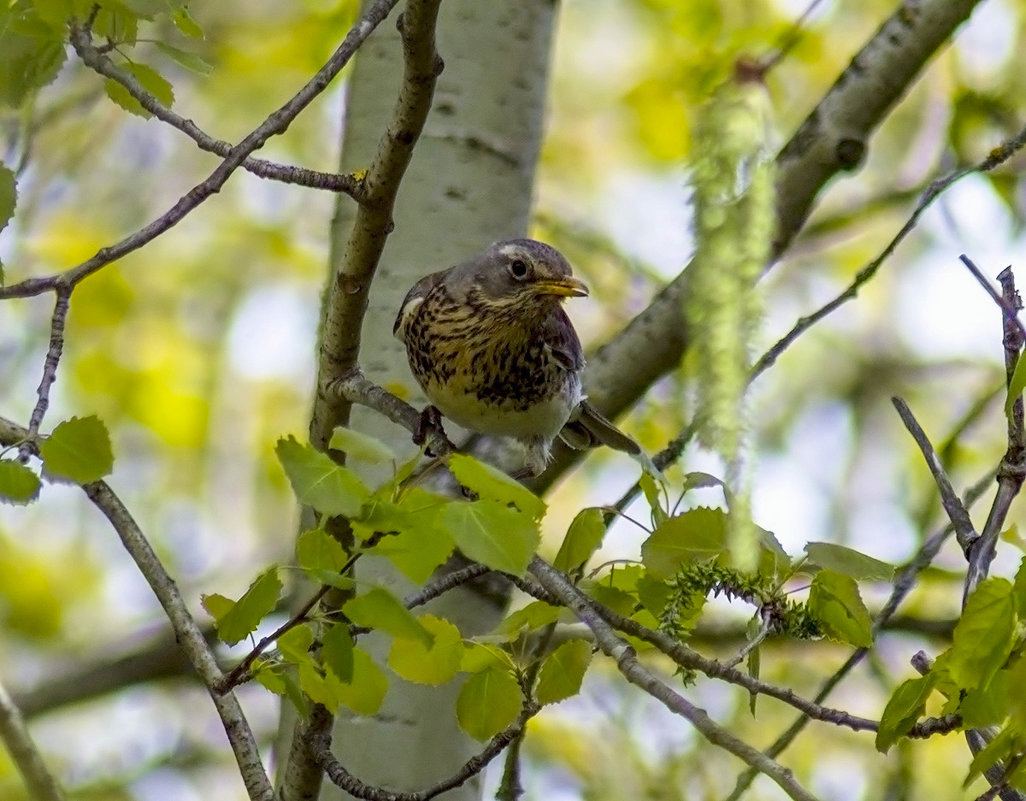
1016	385
320	483
149	79
488	702
1004	745
492	533
360	446
294	645
492	484
990	705
415	662
582	540
904	708
848	561
18	484
186	24
1019	590
318	686
184	58
318	550
984	635
563	671
696	535
270	679
650	488
379	609
78	450
365	693
28	61
337	651
8	195
835	601
532	616
242	618
478	656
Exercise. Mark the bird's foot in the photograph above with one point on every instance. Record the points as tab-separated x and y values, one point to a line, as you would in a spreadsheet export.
430	423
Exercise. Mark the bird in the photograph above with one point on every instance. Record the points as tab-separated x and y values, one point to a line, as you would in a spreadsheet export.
493	350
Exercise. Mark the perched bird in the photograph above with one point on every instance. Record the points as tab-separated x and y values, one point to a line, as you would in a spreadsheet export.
490	345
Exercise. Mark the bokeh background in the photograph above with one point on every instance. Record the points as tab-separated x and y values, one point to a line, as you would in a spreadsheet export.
198	353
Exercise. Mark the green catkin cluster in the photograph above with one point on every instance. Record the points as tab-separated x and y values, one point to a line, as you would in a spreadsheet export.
734	226
694	583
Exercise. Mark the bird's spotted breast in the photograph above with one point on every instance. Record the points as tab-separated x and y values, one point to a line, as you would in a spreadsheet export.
485	366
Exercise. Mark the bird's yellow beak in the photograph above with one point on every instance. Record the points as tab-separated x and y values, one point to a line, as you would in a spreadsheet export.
568	287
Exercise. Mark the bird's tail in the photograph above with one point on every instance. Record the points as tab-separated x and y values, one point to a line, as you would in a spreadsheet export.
588	428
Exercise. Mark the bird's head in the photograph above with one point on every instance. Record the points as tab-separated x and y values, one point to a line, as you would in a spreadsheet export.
521	271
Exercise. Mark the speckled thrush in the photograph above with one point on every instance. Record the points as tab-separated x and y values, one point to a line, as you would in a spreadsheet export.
490	345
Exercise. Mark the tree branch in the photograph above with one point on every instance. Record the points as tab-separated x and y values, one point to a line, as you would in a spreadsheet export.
276	123
14	734
187	632
98	61
637	674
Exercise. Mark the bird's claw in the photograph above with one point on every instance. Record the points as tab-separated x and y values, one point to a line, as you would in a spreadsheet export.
430	422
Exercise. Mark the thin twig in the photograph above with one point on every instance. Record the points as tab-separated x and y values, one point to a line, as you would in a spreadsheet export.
1012	469
957	513
97	60
188	634
276	123
14	735
636	673
320	745
902	587
50	363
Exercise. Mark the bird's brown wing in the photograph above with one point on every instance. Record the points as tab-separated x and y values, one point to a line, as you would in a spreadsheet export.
413	299
561	340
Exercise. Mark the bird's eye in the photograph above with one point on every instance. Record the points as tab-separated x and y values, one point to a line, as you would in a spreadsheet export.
518	268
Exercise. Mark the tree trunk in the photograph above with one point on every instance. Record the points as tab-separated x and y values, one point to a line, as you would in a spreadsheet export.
469	184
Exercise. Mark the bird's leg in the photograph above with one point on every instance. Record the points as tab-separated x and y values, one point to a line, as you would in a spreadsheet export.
430	421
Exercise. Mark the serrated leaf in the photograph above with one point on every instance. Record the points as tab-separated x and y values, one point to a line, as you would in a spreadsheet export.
696	535
582	540
8	195
242	618
532	616
492	484
337	651
849	562
379	609
149	79
18	484
360	446
492	533
78	450
984	635
835	601
904	708
317	550
320	483
488	702
478	656
191	61
271	680
29	62
365	693
294	645
563	671
413	661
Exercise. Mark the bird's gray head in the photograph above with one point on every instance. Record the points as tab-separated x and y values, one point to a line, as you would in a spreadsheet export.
518	270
